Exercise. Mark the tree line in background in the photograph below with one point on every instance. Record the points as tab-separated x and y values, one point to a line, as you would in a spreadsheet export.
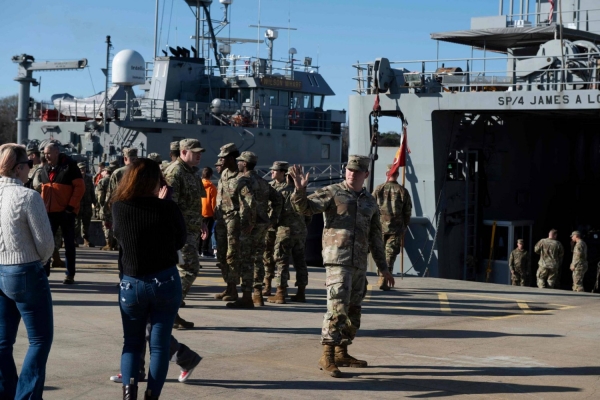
8	117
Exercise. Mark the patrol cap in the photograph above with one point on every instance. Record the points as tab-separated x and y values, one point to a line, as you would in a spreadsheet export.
32	149
228	149
576	233
174	146
154	157
114	164
358	163
130	152
82	165
191	145
520	241
248	156
280	166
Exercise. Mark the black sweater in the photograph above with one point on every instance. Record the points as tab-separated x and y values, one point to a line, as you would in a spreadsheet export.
149	231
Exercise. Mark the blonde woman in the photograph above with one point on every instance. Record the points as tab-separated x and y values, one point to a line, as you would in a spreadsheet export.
26	242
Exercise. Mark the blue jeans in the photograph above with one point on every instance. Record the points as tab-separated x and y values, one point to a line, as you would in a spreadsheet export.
155	298
24	293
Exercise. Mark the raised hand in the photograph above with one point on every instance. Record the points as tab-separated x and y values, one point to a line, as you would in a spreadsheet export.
300	179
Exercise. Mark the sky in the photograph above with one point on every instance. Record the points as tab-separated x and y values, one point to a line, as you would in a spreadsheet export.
337	33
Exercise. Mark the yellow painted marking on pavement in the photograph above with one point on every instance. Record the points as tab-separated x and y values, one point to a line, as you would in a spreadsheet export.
444	304
523	306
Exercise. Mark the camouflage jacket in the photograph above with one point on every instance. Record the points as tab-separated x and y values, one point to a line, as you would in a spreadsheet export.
89	198
35	181
395	206
235	199
268	201
352	225
188	191
551	253
289	217
115	178
580	255
519	259
101	195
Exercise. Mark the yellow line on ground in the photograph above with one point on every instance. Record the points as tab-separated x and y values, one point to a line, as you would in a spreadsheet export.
444	304
525	307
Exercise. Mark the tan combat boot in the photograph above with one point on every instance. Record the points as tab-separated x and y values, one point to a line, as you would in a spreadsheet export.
343	359
86	243
267	290
279	297
244	302
181	323
257	298
232	294
56	261
300	296
219	296
327	362
382	284
105	248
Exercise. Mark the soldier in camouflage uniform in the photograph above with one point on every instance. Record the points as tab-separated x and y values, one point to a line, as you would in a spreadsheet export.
579	265
352	229
551	254
395	206
104	208
265	197
83	219
33	153
129	156
235	204
519	264
289	239
220	235
155	157
188	190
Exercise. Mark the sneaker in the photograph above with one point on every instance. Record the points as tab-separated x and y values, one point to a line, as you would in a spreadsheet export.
185	375
119	378
68	280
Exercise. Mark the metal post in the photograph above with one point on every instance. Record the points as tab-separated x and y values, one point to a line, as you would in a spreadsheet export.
201	22
501	7
108	46
512	7
526	11
520	9
155	29
22	117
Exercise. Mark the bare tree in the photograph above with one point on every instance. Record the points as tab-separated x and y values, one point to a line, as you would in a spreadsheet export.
8	117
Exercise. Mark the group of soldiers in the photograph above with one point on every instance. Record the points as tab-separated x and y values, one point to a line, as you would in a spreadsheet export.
551	254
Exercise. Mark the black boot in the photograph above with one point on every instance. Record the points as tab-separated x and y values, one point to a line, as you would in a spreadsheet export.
130	392
148	395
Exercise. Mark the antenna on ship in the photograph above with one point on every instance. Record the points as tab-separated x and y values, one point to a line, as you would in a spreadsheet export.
270	35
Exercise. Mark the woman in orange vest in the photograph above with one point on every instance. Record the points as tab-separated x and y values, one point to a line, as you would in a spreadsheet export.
208	211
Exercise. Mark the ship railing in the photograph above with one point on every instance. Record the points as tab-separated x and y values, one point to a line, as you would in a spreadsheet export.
580	19
489	74
149	71
245	67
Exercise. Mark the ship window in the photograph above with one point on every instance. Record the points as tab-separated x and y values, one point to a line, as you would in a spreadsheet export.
316	81
324	151
310	80
272	95
284	98
318	101
245	95
296	100
307	101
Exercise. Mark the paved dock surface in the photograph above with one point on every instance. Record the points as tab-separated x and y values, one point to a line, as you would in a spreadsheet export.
428	338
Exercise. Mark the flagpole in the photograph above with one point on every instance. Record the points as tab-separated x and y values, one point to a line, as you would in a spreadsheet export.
403	231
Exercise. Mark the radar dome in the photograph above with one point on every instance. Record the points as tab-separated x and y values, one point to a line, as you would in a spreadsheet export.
128	68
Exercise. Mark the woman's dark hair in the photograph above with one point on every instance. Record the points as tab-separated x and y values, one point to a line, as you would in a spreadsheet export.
207	173
140	180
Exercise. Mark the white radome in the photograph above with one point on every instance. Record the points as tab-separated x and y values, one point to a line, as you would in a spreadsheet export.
128	68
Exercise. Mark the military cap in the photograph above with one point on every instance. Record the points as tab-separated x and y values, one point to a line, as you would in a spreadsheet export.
191	145
248	156
130	152
32	148
280	166
358	163
520	241
576	233
82	164
219	162
154	157
114	164
174	146
110	167
228	149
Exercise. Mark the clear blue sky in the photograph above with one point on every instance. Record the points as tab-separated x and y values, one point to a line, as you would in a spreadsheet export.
337	32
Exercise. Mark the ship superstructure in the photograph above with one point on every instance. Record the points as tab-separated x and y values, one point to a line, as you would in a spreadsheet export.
503	146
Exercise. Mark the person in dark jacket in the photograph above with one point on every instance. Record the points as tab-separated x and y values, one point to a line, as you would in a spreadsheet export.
149	231
62	190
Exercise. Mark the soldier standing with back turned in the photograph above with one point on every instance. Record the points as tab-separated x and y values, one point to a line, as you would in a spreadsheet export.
579	265
551	254
395	206
518	263
188	190
352	229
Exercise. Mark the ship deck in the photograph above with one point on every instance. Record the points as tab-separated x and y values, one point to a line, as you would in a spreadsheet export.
428	338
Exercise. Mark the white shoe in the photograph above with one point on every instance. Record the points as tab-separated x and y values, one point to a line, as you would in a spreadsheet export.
117	378
184	375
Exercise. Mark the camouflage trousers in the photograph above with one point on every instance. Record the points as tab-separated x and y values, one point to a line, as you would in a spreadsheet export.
546	274
189	271
578	274
345	292
238	255
287	245
519	277
391	243
221	239
82	222
258	236
268	256
108	233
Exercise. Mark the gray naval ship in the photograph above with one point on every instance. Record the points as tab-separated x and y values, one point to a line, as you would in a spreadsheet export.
271	107
503	146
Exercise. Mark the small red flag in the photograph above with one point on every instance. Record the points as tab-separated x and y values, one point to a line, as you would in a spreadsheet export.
551	11
400	158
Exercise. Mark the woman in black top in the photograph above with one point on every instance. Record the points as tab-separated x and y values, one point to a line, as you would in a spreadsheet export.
149	230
